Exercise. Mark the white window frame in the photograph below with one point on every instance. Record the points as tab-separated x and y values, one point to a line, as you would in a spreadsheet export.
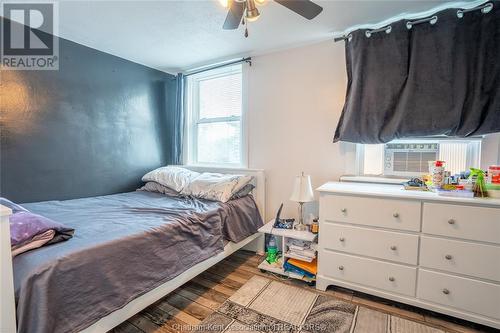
193	120
471	155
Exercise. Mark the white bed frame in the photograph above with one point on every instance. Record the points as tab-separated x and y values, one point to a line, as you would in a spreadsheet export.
7	302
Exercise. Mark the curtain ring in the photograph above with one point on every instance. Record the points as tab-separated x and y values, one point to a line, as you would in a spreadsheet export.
388	29
432	20
485	9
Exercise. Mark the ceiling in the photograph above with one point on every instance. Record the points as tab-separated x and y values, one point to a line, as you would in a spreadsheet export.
178	35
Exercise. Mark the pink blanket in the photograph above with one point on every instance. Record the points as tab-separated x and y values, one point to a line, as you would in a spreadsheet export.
36	242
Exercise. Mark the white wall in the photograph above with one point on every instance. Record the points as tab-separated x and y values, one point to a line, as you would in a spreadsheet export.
294	101
295	98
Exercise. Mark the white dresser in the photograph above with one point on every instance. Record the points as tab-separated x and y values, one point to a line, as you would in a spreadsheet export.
434	252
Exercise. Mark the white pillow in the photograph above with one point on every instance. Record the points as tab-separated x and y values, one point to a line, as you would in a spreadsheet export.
216	186
158	188
173	177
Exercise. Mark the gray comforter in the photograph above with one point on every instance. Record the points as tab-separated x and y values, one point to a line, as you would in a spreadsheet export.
124	245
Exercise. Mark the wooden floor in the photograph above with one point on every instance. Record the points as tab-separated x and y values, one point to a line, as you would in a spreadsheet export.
195	300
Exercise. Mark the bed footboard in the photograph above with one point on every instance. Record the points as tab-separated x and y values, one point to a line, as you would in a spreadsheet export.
7	300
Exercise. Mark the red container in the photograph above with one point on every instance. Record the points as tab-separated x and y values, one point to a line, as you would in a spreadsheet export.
494	174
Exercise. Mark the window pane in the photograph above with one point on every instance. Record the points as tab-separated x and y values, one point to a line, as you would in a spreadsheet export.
373	161
220	97
219	143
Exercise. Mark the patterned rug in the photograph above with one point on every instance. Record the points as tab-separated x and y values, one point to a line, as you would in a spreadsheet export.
264	305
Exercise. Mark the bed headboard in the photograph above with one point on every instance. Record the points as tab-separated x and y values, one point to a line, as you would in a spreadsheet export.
259	192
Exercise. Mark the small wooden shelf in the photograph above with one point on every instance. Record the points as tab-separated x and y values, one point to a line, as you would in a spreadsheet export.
277	268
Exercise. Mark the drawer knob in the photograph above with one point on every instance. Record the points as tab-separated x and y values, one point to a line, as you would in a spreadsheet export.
394	248
396	215
448	257
343	210
391	278
341	239
341	268
451	221
446	291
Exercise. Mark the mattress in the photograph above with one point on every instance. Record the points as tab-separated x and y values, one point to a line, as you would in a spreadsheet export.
124	246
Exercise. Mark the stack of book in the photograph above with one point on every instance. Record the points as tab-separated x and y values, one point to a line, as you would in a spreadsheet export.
305	269
301	250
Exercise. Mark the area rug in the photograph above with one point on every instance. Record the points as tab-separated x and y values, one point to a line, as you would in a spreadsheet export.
264	305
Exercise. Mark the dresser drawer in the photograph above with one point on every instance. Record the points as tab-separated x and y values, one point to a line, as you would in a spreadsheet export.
467	222
381	244
371	273
460	293
386	213
478	260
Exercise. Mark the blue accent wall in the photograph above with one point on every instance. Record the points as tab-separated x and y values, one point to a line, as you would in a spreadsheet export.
93	127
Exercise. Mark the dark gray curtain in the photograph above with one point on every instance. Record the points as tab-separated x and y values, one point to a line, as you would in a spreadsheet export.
178	120
441	79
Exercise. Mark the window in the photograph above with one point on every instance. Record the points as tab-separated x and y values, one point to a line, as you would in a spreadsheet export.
215	131
407	158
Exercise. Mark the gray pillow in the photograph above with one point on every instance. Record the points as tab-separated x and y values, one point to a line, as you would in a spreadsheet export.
171	176
243	192
158	188
215	186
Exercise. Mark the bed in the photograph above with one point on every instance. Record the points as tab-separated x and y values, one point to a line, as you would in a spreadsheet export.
114	266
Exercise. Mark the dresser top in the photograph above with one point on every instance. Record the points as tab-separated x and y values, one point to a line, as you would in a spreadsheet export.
397	191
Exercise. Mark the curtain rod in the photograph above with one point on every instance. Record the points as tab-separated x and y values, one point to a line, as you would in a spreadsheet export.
463	7
229	63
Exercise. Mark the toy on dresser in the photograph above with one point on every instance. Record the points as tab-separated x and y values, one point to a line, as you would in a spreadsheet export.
466	184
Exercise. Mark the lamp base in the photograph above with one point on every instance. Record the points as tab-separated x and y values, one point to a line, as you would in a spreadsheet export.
301	226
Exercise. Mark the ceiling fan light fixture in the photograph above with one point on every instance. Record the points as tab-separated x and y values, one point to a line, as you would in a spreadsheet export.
241	12
252	13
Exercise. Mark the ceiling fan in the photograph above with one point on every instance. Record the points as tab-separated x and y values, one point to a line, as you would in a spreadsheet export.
243	11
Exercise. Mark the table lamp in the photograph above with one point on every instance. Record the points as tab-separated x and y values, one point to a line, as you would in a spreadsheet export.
302	193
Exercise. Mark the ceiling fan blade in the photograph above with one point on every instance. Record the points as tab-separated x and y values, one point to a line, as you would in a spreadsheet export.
305	8
234	15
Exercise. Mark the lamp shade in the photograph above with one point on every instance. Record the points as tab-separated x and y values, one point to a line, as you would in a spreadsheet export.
302	189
